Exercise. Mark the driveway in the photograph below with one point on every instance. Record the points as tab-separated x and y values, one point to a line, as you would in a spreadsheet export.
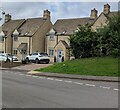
30	67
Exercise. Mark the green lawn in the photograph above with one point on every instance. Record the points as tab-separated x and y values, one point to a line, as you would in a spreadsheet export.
100	66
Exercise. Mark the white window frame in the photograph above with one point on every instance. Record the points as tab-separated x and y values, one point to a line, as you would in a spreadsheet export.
51	52
15	37
52	36
15	51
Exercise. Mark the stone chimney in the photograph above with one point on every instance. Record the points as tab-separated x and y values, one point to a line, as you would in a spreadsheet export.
46	14
106	9
94	13
7	18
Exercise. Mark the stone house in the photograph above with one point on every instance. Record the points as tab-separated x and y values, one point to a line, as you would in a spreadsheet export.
24	36
57	40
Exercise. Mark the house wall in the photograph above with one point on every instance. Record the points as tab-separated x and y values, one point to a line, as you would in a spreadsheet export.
100	22
9	44
38	39
52	43
2	46
65	51
16	44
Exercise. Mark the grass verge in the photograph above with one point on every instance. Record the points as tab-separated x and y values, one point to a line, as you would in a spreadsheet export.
100	66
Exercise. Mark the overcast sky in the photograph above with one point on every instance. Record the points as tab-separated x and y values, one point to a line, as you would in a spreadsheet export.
59	10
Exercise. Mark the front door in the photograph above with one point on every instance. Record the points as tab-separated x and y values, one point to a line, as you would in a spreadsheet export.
60	55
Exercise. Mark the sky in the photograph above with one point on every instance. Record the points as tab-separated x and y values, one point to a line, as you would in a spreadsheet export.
59	10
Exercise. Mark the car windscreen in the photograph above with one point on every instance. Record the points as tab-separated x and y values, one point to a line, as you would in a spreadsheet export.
43	54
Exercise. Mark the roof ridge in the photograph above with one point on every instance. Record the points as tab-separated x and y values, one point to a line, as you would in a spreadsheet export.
74	18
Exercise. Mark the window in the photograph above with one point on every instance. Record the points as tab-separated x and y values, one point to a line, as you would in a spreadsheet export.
15	51
52	37
15	37
1	39
51	52
35	54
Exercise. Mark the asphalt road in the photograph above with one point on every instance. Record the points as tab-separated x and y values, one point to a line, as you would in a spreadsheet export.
20	90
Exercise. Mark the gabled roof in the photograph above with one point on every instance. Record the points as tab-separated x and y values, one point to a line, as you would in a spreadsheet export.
10	26
31	26
109	15
112	14
64	43
68	26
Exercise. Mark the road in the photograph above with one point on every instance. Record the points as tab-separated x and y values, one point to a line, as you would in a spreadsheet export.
20	90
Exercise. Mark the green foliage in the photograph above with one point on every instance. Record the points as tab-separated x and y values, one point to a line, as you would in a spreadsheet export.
82	42
85	43
86	66
110	35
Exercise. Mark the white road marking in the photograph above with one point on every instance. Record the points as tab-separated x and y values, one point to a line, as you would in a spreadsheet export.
116	89
21	74
68	81
35	76
50	78
41	77
58	80
28	75
104	87
78	83
90	85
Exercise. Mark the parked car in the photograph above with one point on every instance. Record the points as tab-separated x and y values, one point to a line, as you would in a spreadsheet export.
14	58
38	57
4	57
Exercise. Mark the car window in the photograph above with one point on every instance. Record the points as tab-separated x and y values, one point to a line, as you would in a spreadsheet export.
35	54
43	54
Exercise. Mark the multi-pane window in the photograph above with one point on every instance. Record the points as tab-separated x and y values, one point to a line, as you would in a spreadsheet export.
52	36
51	52
15	37
15	51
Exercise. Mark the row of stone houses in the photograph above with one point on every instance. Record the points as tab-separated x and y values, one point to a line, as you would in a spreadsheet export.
24	36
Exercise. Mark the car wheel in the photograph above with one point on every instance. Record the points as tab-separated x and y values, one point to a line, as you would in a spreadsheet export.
47	61
8	60
37	61
27	60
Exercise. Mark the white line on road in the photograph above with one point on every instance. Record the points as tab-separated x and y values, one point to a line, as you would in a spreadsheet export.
116	89
41	77
104	87
28	75
21	74
78	83
50	78
58	80
90	85
68	81
35	76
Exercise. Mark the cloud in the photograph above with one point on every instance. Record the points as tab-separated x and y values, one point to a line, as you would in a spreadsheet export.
59	10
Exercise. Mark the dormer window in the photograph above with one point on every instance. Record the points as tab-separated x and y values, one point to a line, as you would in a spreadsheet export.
15	38
52	37
15	35
52	34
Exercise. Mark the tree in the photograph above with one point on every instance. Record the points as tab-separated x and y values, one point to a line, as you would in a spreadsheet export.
82	42
110	39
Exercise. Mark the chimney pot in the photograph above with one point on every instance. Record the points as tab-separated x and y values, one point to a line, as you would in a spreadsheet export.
106	9
7	18
46	14
94	13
